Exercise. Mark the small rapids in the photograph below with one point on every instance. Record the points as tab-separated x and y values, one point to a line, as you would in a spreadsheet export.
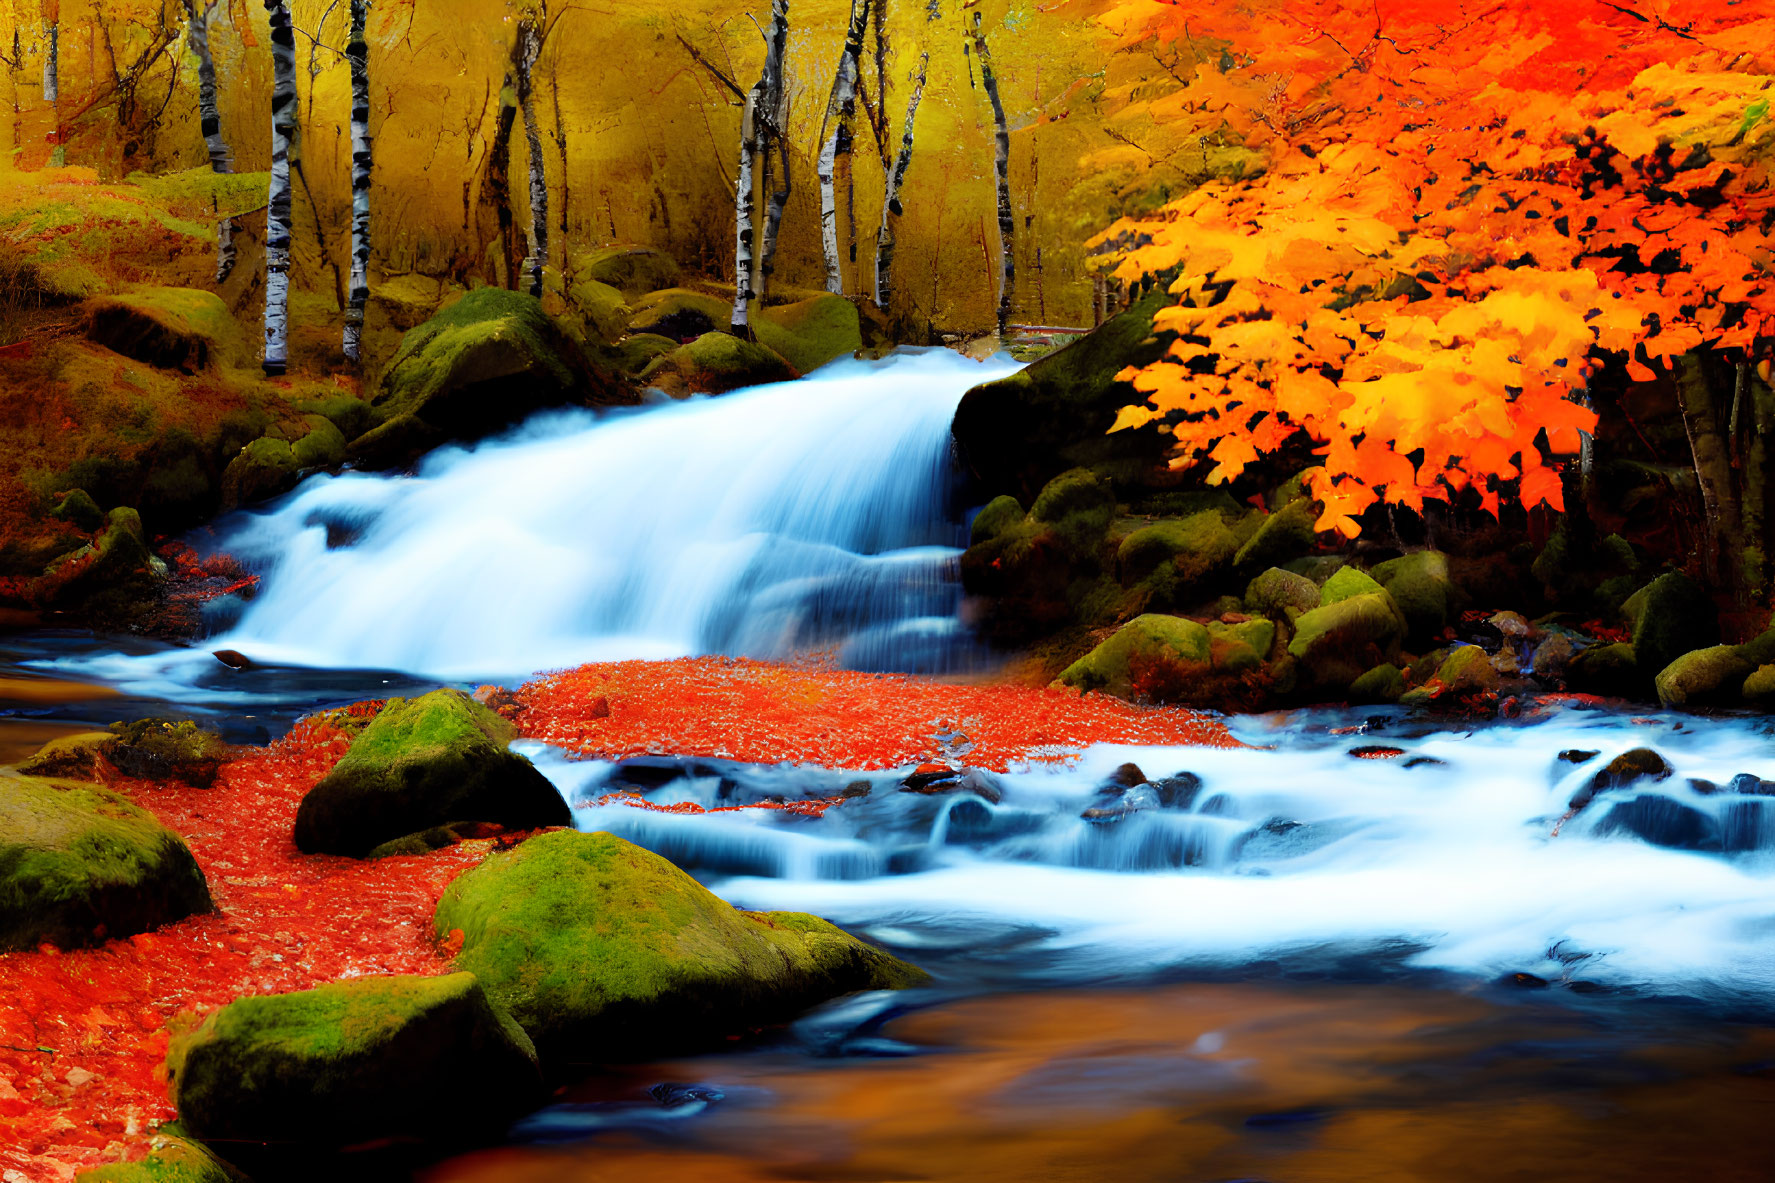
1455	855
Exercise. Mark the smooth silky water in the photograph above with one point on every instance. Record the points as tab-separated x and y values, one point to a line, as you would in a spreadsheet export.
1305	965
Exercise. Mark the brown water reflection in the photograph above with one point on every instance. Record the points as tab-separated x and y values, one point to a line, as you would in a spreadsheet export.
1216	1082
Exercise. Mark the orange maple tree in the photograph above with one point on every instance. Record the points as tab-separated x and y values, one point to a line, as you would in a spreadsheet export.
1458	209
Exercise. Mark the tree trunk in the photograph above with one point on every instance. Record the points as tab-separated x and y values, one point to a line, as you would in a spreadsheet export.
890	206
537	233
1723	525
844	92
741	325
497	191
285	146
221	160
52	85
776	126
1001	165
358	50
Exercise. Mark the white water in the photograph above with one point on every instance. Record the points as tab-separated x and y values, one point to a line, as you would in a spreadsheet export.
786	518
1301	854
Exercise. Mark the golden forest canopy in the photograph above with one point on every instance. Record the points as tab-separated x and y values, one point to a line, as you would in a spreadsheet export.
1435	221
640	133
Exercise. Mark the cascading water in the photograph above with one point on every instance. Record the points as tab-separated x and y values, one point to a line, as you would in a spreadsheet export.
1455	855
808	515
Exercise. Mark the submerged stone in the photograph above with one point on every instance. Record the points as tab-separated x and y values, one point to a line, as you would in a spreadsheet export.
601	949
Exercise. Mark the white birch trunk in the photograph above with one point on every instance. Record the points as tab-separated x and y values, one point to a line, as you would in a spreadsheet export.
537	233
844	90
890	206
284	147
1001	164
221	159
358	50
51	92
741	325
775	126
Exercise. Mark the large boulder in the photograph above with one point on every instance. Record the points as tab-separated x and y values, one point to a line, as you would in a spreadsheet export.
680	313
1076	507
422	763
714	363
1152	657
183	329
1671	616
170	1159
79	865
632	270
601	949
811	332
1178	560
1420	584
1713	676
1275	592
1347	635
273	463
1018	433
482	363
374	1057
1282	536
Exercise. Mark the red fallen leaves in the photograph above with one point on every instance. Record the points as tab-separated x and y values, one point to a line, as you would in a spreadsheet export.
83	1034
286	922
757	712
815	808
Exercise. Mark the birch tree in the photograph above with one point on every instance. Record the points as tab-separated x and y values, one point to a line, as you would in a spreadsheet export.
210	119
357	50
890	206
838	107
1001	165
52	18
761	124
776	169
529	47
284	149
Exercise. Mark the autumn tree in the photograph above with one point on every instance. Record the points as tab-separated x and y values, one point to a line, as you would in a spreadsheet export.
1442	221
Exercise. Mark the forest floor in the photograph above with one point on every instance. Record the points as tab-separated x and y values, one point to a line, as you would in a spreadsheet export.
81	1079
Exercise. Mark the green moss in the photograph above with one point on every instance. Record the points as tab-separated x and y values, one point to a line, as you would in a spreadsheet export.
680	314
321	446
1342	639
70	757
80	510
601	307
1671	616
599	948
1150	653
264	468
1420	584
811	332
1286	534
636	351
352	416
368	1058
202	192
1194	550
717	362
79	864
1468	670
165	749
1759	686
410	300
425	762
1276	591
170	1160
1240	648
1077	508
172	328
1000	515
632	270
1382	684
1704	677
1345	583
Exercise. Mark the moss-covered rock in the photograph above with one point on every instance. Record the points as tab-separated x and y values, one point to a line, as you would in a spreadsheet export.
601	949
680	314
1240	648
114	577
995	518
1346	582
425	762
1280	537
482	363
600	307
78	509
1384	683
1671	616
1609	670
1420	584
170	1159
1468	670
632	270
1018	433
167	749
1180	558
1704	677
635	352
1759	686
1152	657
183	329
713	363
1346	636
79	865
1077	507
369	1058
70	757
1276	591
809	333
264	468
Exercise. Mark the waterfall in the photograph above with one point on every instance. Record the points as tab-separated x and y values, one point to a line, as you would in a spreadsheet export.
801	516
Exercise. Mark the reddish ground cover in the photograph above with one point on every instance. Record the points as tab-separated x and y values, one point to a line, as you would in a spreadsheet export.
82	1034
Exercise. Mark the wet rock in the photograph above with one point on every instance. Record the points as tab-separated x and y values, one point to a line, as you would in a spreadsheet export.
601	950
1276	591
170	1160
79	509
1552	658
234	659
1758	689
1077	508
1467	672
999	516
1704	677
421	763
375	1057
1240	648
80	865
167	749
1420	584
714	363
1382	684
71	757
1159	658
1752	785
1660	821
1578	755
938	778
1177	560
1630	767
1671	616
